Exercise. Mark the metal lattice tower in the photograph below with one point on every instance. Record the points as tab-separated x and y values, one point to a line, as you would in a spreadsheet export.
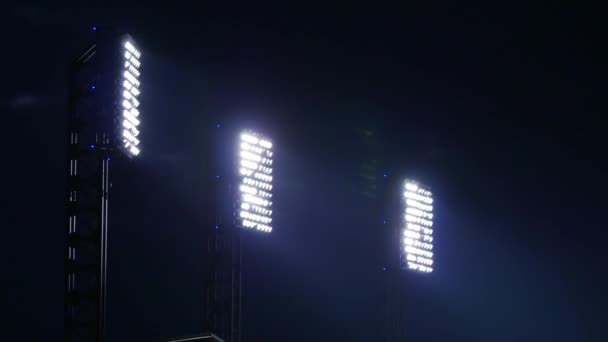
87	190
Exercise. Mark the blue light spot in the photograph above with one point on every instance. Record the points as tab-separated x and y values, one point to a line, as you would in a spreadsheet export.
385	174
108	158
218	176
93	87
217	227
94	28
383	268
384	221
218	125
92	146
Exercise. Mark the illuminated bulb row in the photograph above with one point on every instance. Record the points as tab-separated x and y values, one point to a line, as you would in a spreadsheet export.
414	227
416	204
418	197
255	200
424	261
132	49
264	228
411	234
249	164
265	169
421	268
131	78
263	177
257	184
255	217
251	156
265	143
257	209
132	69
419	213
424	192
258	226
417	243
249	190
418	251
264	194
132	59
246	172
425	237
413	187
419	259
412	218
247	147
267	161
249	224
131	127
249	138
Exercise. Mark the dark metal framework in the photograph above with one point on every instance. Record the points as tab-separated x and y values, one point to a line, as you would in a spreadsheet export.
222	312
236	290
394	327
223	283
87	188
393	301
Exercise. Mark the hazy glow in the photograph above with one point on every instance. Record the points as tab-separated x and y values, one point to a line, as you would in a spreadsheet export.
256	182
130	93
417	233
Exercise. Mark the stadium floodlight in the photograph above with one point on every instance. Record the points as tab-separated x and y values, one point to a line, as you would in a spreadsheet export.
417	234
255	188
129	93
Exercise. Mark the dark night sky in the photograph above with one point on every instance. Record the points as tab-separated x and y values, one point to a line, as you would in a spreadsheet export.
497	107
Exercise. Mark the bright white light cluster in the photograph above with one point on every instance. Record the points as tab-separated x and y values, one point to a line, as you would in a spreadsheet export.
129	90
417	232
255	190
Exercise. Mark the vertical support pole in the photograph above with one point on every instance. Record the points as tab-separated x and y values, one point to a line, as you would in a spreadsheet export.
86	201
235	310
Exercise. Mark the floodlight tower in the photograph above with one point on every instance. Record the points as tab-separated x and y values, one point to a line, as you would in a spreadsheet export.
245	204
103	120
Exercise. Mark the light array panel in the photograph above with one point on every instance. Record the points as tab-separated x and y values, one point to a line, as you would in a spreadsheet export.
129	91
255	188
417	231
